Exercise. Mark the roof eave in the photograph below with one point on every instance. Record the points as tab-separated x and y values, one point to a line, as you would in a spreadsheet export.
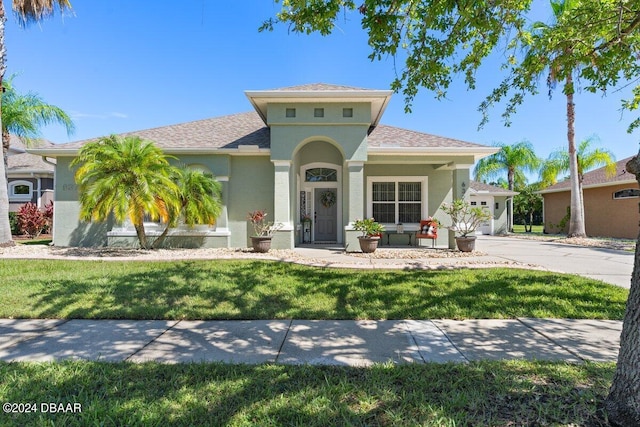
379	99
585	187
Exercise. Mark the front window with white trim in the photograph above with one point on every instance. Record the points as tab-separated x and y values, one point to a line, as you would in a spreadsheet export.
20	191
397	200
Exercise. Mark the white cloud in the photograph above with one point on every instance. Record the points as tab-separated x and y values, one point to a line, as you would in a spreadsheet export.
76	115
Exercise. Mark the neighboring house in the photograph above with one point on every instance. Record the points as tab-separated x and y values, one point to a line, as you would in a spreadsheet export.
494	200
316	150
610	204
30	178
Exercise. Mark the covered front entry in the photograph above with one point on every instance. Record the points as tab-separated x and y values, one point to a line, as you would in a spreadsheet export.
320	190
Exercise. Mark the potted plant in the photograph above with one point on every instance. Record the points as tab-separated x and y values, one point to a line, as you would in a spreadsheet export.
465	219
306	227
263	231
371	233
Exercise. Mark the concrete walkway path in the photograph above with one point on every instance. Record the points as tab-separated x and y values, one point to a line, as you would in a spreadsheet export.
330	342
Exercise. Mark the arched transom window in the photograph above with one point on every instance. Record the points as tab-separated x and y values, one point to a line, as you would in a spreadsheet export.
321	175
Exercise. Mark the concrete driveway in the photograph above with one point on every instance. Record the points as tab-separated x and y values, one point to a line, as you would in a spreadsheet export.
608	265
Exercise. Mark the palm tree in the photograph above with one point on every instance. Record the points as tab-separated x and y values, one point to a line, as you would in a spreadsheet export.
200	201
587	159
515	160
27	11
558	59
24	116
129	178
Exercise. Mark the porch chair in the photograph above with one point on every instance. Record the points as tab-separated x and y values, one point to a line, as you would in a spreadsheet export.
428	230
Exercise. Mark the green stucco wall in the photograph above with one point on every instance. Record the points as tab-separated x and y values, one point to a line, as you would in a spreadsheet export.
251	184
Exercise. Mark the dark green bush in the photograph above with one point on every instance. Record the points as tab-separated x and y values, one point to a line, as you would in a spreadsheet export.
13	222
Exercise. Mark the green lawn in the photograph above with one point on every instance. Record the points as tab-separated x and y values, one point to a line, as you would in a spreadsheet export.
150	394
253	289
536	229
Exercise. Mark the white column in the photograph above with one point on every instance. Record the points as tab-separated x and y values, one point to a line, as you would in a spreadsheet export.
281	195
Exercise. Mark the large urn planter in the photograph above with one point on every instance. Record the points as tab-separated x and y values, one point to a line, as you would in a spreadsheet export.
368	244
261	244
466	244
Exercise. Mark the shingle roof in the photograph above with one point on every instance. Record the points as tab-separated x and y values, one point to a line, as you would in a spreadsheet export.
390	136
481	187
27	162
323	87
597	177
246	129
230	131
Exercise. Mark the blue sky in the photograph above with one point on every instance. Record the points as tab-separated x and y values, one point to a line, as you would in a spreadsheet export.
122	66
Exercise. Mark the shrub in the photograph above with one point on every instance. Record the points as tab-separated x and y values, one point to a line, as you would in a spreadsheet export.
13	223
31	220
48	215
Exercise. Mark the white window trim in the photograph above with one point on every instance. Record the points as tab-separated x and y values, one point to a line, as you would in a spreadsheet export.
424	208
20	197
624	197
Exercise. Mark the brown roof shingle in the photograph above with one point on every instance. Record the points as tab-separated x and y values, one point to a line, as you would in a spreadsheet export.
597	177
230	131
243	129
27	162
390	136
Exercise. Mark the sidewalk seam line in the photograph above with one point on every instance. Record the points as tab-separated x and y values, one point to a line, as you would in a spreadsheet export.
451	341
551	340
286	334
127	359
413	338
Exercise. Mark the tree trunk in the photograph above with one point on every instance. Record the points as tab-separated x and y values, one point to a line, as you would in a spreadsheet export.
623	402
576	221
511	184
142	236
161	238
5	228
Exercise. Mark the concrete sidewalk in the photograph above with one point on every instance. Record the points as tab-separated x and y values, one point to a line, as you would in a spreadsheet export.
326	342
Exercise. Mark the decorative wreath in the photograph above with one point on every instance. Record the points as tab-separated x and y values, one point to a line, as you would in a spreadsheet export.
328	198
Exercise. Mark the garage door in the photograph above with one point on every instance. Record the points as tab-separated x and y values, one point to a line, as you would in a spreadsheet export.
486	203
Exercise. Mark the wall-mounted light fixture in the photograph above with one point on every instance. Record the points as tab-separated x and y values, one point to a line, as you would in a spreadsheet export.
464	186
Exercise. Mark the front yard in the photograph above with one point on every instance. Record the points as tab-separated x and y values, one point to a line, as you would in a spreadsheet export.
152	394
252	289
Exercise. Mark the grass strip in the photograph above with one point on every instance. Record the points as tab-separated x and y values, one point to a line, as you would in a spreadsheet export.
255	289
151	394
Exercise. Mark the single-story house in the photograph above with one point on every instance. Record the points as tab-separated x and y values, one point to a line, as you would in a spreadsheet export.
30	177
610	204
494	200
317	150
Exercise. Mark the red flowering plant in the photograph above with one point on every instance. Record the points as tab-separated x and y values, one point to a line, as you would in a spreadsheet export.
262	227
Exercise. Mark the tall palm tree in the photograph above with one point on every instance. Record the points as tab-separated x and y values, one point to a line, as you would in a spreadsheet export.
514	160
586	158
24	115
27	11
200	201
129	178
558	60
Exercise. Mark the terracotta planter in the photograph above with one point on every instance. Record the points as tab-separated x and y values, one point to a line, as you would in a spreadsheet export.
368	244
466	244
261	244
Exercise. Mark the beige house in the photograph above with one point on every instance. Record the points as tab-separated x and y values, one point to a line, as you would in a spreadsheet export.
610	204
